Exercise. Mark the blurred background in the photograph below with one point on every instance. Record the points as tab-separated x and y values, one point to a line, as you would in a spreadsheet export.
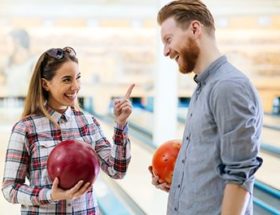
118	43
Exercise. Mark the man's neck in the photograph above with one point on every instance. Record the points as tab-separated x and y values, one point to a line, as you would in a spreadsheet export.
209	52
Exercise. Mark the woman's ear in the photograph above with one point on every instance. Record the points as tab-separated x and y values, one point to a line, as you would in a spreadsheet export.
44	83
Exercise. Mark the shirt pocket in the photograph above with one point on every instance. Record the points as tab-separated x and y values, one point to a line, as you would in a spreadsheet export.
45	148
40	158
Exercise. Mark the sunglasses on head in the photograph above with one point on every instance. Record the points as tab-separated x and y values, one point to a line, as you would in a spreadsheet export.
59	53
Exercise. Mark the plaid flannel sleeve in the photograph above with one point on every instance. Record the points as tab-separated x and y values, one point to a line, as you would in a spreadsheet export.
16	170
114	157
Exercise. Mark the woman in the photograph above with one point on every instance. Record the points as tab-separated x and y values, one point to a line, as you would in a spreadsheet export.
52	114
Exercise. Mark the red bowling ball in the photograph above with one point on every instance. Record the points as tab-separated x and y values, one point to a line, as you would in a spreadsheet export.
72	161
164	159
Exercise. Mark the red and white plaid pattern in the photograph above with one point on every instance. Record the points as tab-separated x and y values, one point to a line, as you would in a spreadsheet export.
26	179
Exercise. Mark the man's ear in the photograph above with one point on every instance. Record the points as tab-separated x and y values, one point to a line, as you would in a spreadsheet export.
196	28
45	85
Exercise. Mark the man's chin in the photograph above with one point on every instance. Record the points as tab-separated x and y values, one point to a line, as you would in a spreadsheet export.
184	71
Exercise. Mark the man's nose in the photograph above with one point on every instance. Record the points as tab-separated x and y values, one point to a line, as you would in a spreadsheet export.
166	51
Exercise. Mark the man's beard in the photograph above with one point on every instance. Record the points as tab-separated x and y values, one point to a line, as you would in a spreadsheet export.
190	55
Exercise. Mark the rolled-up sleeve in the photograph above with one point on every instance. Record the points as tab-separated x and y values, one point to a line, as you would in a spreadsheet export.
238	115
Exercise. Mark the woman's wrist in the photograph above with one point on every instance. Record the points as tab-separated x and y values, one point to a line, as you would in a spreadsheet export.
121	124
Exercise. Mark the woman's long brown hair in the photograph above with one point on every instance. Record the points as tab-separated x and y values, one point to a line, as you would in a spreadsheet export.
37	97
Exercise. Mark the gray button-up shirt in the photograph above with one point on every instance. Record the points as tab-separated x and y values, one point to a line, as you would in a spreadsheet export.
220	143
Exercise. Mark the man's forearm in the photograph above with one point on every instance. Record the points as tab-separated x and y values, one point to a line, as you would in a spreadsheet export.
235	200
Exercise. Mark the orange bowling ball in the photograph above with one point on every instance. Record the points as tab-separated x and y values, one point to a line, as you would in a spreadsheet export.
164	159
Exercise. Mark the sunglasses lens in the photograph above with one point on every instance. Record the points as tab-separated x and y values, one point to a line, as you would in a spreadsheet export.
59	54
55	53
70	51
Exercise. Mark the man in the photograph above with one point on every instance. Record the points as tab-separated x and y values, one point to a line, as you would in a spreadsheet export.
214	172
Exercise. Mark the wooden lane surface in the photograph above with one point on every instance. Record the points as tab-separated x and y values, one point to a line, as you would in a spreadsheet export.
269	172
272	120
145	120
137	182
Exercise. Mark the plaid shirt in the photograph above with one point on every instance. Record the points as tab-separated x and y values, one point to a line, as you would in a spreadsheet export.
32	140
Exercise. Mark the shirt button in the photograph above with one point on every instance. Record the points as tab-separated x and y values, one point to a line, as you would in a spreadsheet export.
175	209
69	205
179	185
183	161
191	114
187	138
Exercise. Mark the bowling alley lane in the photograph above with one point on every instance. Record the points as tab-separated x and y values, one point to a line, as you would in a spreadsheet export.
144	120
271	137
137	182
269	172
272	121
182	113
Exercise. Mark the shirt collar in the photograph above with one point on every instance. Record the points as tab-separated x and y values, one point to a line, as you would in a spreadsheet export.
60	117
212	68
